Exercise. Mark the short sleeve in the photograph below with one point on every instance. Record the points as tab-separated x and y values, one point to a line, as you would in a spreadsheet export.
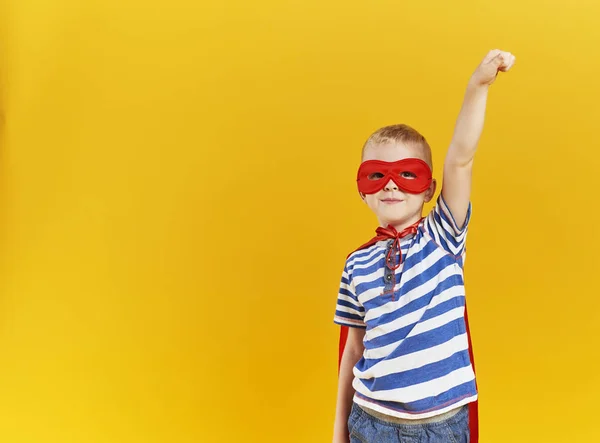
348	311
441	226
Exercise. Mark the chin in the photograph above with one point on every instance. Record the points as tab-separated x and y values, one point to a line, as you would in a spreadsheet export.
392	221
395	219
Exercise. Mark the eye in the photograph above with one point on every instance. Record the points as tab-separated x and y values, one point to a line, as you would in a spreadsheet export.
376	176
408	175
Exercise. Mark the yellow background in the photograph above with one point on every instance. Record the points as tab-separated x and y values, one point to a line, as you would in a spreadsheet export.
177	199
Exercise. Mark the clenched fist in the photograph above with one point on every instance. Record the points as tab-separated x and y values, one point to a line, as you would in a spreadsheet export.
495	61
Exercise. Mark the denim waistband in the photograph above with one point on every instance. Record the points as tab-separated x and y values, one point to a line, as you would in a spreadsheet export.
408	421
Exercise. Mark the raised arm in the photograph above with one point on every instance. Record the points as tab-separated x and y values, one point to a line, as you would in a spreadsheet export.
456	188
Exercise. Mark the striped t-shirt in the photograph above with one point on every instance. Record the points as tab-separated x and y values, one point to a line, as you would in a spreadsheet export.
416	361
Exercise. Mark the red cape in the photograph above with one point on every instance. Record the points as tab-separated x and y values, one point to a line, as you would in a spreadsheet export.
473	406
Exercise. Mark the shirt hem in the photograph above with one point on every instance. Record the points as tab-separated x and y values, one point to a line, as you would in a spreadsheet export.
413	415
350	323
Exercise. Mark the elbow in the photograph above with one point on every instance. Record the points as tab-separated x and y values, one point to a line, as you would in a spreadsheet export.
459	162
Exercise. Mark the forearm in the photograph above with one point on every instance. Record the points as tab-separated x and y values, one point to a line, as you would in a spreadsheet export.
469	126
345	395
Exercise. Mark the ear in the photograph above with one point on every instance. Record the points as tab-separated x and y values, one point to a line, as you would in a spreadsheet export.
431	191
362	196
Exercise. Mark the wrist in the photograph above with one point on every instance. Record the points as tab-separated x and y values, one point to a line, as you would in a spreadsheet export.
475	86
476	92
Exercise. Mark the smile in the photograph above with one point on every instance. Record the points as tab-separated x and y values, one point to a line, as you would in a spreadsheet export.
390	201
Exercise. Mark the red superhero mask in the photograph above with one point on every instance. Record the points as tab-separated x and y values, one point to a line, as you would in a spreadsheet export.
411	175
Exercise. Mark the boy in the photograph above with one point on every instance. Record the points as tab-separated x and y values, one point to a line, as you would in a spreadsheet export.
406	372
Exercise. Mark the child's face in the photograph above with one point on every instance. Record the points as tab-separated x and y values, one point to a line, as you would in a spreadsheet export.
391	205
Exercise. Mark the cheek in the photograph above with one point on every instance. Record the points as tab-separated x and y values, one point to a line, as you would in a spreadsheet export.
417	199
371	200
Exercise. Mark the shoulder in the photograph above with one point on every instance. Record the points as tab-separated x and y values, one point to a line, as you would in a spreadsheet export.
440	228
442	213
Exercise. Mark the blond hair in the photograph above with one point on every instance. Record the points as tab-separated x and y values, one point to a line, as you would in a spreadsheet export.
400	134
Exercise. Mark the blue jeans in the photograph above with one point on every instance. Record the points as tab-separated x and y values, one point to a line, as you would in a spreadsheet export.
364	428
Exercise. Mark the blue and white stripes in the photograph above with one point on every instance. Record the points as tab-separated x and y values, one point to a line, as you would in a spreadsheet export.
416	361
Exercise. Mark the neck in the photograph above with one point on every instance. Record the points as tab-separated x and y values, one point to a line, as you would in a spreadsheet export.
403	224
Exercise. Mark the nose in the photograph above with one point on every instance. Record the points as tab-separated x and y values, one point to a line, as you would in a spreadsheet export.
390	186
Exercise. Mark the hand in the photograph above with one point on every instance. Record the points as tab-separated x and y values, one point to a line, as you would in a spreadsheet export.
495	61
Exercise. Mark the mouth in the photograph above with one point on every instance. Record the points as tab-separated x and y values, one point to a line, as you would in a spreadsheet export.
391	201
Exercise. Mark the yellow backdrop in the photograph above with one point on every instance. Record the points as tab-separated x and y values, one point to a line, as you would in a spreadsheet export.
177	199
